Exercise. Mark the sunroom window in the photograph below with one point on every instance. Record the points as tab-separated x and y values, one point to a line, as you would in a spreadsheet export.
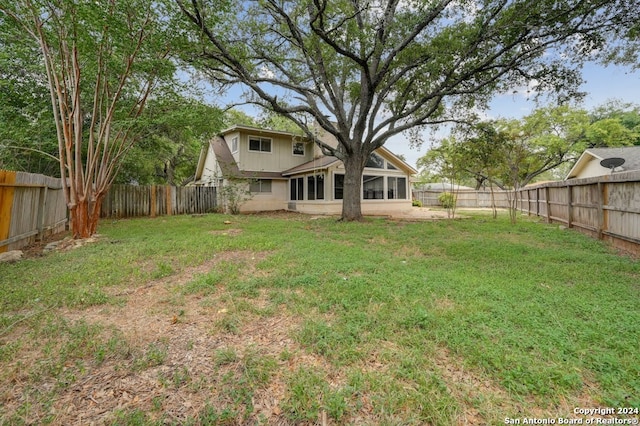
372	187
338	187
315	187
296	189
375	161
396	188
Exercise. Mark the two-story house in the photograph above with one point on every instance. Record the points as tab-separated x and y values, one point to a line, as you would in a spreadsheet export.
284	171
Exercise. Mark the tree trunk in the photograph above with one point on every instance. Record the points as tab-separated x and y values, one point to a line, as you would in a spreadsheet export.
80	220
84	217
352	194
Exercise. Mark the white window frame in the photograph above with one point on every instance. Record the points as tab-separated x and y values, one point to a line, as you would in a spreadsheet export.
261	140
293	149
260	183
235	145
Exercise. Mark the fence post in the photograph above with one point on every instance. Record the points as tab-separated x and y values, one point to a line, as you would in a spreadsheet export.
6	205
153	201
603	213
548	203
168	200
569	206
42	208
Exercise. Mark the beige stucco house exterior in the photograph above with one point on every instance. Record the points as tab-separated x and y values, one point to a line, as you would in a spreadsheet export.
588	165
284	171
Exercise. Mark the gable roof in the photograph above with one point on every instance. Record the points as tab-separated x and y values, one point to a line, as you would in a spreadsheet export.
631	155
228	164
316	163
258	131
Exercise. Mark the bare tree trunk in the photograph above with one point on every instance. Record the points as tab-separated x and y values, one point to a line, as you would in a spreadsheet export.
493	201
80	223
352	195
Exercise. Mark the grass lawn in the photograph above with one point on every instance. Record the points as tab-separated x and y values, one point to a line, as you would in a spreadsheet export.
289	319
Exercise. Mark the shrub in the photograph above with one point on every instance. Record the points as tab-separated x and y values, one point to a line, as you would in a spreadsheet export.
447	199
416	203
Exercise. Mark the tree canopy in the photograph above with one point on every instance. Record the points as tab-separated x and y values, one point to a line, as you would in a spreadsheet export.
512	153
366	70
102	63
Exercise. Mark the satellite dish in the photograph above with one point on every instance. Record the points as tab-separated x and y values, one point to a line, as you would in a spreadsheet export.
612	163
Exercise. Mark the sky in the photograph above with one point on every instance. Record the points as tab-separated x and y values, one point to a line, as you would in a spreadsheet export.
602	84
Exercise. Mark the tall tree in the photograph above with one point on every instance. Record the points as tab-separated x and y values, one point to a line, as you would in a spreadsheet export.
366	70
27	134
102	62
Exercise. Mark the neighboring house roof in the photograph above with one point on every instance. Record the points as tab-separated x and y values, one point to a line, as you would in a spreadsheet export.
441	186
630	154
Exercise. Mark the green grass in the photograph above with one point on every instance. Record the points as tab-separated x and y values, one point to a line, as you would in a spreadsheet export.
540	314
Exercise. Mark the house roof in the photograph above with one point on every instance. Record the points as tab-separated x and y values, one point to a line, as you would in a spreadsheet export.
316	163
258	131
442	186
631	155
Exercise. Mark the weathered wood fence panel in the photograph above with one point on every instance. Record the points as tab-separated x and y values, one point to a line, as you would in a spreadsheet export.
607	207
131	201
32	206
465	198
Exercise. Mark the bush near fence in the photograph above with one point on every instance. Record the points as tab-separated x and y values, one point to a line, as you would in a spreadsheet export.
32	206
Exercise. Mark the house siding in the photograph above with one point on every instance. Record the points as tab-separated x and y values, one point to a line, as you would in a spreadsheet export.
275	200
280	158
211	171
592	169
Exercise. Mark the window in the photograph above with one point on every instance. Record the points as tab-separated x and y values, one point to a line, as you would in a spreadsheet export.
372	187
315	187
391	166
260	185
234	144
396	188
338	187
259	144
375	161
298	148
296	189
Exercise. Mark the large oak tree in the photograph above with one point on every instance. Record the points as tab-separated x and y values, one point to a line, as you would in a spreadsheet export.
367	70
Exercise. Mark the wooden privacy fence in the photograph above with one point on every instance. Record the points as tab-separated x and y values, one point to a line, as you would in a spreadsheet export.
466	198
32	206
131	201
607	207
